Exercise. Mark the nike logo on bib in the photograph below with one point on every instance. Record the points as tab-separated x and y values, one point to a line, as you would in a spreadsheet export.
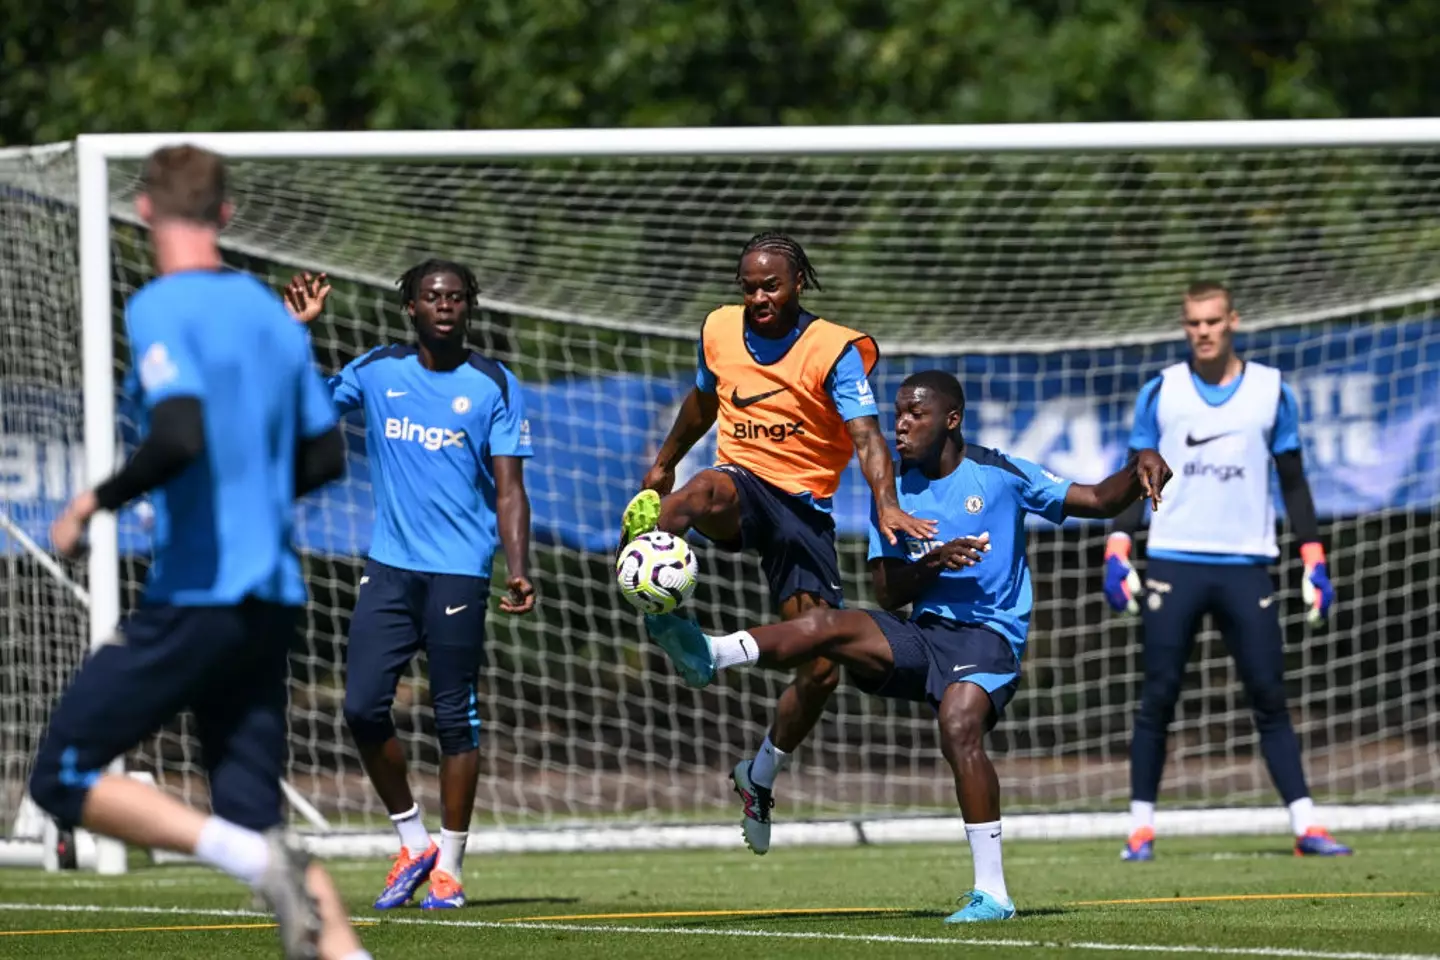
451	611
743	402
1190	440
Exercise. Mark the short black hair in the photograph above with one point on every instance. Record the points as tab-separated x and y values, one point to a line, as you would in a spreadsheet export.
787	247
938	382
409	282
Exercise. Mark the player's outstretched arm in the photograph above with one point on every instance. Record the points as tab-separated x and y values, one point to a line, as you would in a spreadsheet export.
512	510
176	439
1144	475
879	470
695	418
899	583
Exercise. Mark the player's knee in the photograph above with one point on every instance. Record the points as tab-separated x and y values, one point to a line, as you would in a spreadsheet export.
458	730
818	677
1270	706
1157	703
369	719
58	786
961	731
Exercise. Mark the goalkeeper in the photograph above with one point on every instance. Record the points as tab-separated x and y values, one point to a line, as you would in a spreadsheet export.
1221	421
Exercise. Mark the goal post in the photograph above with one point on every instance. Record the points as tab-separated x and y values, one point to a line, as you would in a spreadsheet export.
1040	263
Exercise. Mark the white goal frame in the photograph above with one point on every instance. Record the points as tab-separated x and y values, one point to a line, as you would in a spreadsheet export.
95	153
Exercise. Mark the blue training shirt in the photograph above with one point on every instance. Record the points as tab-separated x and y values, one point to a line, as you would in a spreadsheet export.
987	492
1145	434
848	384
431	439
223	526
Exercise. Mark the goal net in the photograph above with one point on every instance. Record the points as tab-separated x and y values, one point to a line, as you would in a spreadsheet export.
1047	279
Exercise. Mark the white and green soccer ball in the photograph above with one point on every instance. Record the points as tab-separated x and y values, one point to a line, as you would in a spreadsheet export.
656	572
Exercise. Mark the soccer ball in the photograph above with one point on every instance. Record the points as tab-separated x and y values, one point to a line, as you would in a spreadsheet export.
656	572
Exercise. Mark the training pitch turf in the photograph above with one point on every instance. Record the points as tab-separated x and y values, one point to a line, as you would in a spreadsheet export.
1212	896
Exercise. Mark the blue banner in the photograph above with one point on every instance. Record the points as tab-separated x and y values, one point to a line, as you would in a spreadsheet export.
1367	392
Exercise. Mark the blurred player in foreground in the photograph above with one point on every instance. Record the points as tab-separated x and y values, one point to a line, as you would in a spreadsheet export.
239	426
446	436
1223	421
792	396
969	591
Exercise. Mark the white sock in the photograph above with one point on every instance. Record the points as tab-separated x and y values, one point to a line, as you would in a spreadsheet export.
734	649
411	827
1302	816
769	761
1142	814
242	853
358	955
452	851
985	851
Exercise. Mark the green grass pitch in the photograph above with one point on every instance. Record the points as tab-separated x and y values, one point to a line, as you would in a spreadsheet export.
1215	896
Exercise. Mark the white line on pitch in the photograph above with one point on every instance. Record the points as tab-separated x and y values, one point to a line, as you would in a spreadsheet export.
1198	949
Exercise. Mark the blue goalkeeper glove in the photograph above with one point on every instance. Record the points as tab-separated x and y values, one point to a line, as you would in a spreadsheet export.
1316	589
1122	583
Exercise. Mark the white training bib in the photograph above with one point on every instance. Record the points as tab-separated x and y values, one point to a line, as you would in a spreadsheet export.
1219	500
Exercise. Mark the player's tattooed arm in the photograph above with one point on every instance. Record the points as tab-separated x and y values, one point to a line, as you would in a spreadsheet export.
694	420
512	509
879	470
899	583
1144	475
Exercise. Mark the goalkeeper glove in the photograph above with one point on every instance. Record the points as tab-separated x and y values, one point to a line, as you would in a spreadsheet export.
1122	583
1316	588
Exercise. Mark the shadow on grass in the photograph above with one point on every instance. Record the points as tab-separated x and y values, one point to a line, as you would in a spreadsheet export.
835	918
520	901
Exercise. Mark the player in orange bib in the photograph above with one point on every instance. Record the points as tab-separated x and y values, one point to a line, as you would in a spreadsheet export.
791	395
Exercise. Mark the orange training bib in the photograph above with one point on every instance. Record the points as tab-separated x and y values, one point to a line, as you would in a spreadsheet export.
777	420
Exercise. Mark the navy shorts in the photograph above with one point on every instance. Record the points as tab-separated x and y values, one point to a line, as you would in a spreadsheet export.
399	613
796	542
228	665
931	653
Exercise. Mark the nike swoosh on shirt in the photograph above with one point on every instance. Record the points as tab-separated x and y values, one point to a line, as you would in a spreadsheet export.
743	402
451	611
392	394
958	669
1190	440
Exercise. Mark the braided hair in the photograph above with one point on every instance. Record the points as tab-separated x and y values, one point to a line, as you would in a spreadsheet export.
409	282
788	247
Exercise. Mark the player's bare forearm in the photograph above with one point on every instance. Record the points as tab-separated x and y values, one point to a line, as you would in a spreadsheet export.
875	460
879	470
1144	475
898	584
512	511
695	418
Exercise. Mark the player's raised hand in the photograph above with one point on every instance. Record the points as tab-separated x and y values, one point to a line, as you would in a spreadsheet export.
305	296
519	597
965	551
893	522
1154	473
660	479
68	530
